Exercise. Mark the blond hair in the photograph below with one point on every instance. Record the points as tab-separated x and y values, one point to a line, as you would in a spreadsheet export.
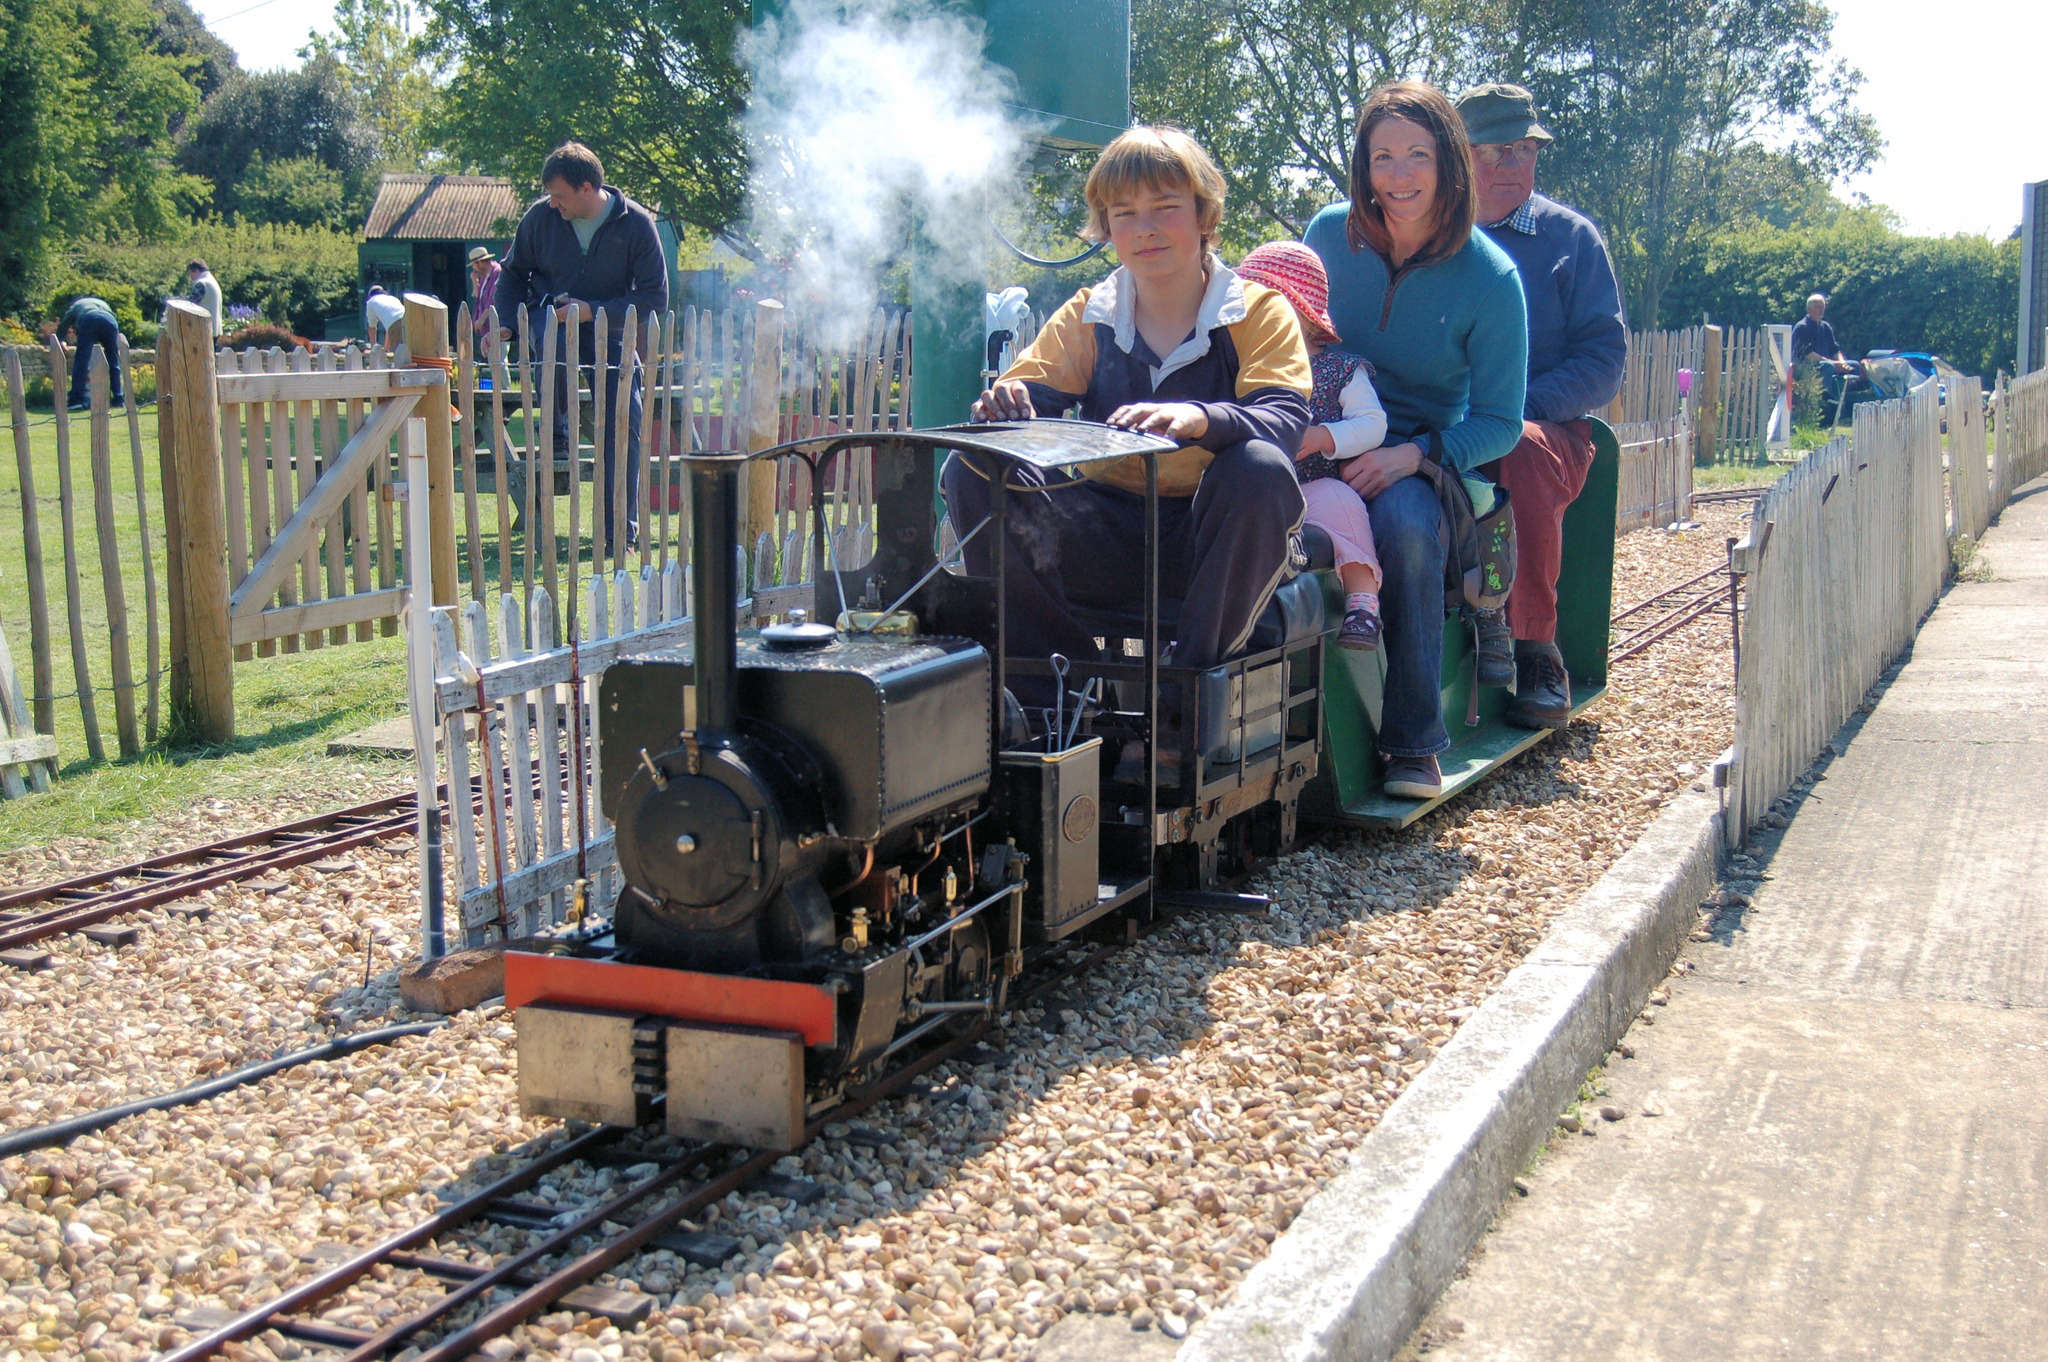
1153	156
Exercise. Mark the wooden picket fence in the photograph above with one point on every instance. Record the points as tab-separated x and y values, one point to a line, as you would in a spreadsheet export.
108	576
1718	382
1970	476
2020	435
1847	552
517	712
513	677
1656	474
1657	380
732	380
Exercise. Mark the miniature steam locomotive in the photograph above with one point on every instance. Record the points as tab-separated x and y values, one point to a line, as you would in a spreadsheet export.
837	840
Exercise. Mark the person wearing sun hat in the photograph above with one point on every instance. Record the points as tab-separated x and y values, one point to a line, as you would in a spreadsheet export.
484	271
1578	346
1346	420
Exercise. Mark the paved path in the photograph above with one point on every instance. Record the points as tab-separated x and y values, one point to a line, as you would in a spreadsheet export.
1851	1159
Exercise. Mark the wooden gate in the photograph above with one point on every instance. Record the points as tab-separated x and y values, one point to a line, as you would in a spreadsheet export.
278	500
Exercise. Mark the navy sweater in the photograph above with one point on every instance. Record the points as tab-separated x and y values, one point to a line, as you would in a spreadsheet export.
1578	338
622	269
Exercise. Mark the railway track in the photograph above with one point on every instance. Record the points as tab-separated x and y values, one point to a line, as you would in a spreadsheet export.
567	1247
83	902
1727	494
1652	620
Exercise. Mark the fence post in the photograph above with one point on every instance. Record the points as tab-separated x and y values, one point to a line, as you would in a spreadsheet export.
202	666
1706	421
764	426
426	339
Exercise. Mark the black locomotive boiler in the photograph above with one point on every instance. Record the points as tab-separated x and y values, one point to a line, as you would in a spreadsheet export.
840	838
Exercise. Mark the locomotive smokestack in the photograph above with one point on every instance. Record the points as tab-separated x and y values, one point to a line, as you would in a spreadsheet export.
714	530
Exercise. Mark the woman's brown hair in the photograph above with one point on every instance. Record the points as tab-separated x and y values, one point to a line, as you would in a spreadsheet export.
1425	106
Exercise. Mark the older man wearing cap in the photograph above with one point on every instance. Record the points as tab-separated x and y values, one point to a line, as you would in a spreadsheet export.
483	287
1578	347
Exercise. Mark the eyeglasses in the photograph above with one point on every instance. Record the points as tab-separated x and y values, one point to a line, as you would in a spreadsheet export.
1504	153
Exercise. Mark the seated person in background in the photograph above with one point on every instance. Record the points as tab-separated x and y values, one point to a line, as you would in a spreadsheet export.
1578	347
1815	348
1173	343
1348	421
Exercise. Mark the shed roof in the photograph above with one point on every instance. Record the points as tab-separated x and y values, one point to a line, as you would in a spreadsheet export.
442	208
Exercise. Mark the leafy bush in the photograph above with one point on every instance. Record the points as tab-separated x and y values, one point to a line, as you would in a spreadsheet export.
296	276
118	296
293	189
1950	296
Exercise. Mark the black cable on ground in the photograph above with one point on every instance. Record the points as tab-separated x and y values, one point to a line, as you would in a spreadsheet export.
63	1132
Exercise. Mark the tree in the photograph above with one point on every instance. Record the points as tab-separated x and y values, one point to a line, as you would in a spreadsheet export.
85	143
278	118
385	71
179	32
653	87
1661	106
298	191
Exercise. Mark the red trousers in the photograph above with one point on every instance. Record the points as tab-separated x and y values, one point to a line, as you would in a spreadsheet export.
1543	473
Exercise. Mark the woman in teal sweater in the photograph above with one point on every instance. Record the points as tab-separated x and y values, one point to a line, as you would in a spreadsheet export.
1437	309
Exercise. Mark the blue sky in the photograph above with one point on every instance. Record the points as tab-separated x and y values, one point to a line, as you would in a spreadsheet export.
1953	87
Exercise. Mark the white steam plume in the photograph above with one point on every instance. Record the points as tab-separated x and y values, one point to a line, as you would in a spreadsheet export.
864	117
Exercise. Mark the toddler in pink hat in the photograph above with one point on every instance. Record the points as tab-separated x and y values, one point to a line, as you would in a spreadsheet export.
1348	421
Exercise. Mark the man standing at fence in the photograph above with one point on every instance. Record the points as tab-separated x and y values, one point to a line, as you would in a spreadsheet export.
205	291
1578	347
587	248
89	323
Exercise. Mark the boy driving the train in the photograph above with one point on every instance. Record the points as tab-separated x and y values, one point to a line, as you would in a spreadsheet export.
1175	344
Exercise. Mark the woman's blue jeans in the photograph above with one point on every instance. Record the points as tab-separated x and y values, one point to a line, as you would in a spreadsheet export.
1407	531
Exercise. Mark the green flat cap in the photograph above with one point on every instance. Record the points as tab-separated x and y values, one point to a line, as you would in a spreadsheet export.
1501	113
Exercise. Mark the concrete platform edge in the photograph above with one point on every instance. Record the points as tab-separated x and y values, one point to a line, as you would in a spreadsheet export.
1368	1256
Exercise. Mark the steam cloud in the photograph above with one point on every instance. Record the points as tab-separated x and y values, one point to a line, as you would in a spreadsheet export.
864	118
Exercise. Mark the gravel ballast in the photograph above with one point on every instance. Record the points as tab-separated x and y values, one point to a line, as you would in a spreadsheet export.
1141	1139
